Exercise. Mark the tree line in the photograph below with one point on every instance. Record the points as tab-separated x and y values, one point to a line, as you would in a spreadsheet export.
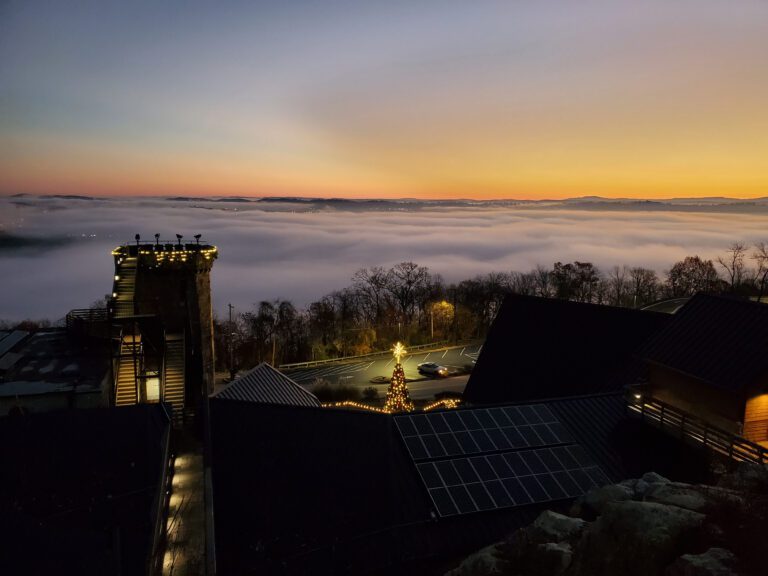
408	302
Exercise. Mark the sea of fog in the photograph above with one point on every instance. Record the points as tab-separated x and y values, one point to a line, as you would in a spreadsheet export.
55	251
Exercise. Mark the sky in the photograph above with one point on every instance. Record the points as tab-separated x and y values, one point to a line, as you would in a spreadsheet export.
283	250
432	99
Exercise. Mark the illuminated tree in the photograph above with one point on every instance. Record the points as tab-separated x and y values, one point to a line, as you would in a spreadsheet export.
398	398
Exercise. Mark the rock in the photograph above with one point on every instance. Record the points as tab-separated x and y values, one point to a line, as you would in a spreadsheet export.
550	559
634	539
652	478
638	487
544	547
747	477
484	562
553	527
677	494
713	562
641	488
594	502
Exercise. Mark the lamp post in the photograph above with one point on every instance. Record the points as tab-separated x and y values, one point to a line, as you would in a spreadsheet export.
432	321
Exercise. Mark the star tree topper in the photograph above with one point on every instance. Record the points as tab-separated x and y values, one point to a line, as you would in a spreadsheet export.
398	350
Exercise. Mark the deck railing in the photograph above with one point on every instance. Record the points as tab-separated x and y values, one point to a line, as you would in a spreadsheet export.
693	429
86	315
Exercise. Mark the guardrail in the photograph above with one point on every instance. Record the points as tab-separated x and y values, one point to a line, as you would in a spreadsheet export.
694	429
441	344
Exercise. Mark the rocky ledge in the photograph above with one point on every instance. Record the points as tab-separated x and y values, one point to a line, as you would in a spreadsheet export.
643	527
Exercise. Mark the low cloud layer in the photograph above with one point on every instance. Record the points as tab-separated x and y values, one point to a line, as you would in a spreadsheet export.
289	251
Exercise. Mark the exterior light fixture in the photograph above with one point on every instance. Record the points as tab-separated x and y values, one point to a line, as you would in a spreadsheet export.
117	277
638	396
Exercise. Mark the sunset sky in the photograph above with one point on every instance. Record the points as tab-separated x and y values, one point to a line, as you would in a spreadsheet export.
510	99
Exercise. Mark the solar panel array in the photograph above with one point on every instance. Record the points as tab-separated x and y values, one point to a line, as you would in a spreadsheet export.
486	458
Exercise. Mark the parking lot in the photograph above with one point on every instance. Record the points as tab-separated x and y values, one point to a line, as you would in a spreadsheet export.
360	373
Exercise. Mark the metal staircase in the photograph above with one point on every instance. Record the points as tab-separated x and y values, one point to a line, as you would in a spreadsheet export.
127	368
174	372
125	287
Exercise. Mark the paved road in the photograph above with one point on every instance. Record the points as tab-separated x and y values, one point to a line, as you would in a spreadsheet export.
361	373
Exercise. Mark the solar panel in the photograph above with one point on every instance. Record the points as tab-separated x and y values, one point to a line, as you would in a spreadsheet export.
489	458
481	430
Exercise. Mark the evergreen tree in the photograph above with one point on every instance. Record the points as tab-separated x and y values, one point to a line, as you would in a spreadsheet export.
398	398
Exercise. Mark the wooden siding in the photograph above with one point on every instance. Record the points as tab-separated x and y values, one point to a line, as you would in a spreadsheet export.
756	418
721	408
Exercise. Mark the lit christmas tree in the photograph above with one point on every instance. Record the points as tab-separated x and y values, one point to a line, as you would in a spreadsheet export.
398	399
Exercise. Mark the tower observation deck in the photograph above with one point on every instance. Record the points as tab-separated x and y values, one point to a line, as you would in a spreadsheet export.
162	315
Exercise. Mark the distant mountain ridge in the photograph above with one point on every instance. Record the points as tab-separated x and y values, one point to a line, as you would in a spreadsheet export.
702	203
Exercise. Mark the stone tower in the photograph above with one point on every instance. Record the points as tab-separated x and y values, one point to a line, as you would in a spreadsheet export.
163	323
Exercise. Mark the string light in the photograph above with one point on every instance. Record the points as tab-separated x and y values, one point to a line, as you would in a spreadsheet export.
398	398
351	404
445	403
171	254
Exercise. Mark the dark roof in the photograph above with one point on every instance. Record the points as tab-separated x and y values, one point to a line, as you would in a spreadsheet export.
717	339
288	479
545	348
319	490
51	361
266	385
9	340
78	490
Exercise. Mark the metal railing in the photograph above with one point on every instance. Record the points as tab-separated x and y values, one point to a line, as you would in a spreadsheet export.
86	315
693	429
432	345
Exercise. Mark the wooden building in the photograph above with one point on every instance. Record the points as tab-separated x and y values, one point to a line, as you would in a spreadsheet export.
711	361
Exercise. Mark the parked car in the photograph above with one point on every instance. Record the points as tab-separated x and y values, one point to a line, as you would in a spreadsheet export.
433	369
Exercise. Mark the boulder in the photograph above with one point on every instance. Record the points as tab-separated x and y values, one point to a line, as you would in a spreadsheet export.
550	559
652	478
592	504
484	562
634	539
553	527
713	562
747	477
677	494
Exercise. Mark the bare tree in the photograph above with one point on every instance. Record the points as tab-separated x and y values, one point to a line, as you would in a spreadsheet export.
578	281
522	283
691	275
404	282
760	256
733	264
619	286
644	286
543	283
371	284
